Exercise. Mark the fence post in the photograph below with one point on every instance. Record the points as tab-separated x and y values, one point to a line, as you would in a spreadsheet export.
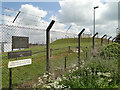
69	49
65	63
47	46
102	39
113	39
51	52
109	39
16	16
10	78
86	52
79	35
94	40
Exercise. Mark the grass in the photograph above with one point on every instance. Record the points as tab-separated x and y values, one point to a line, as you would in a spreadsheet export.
26	74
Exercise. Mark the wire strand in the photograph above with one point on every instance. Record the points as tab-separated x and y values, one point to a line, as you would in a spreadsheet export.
22	18
27	13
18	11
34	29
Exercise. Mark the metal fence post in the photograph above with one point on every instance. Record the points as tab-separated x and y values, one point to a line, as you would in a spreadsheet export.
102	39
65	63
113	39
51	52
47	46
86	52
10	78
16	16
109	39
79	35
69	49
94	40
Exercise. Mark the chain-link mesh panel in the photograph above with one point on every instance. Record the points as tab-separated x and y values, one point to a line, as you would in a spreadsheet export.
22	76
63	48
26	76
63	54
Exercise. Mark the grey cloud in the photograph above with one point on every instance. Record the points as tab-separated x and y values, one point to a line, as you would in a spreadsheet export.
110	15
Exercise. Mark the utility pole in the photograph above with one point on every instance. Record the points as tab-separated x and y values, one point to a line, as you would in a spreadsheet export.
94	20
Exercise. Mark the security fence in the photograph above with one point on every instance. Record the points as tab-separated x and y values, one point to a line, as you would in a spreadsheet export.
66	50
60	49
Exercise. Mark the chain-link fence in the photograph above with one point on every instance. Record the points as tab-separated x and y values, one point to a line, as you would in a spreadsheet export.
63	52
60	48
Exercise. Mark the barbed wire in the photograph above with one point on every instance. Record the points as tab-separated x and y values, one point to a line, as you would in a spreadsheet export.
15	26
29	19
28	14
21	18
23	27
20	23
42	22
13	10
29	25
18	11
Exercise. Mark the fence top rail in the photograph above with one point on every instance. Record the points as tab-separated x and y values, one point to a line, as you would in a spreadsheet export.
95	34
81	31
109	38
104	36
114	38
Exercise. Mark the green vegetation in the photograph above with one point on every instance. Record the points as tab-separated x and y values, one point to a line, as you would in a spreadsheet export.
111	50
118	38
93	73
96	73
26	76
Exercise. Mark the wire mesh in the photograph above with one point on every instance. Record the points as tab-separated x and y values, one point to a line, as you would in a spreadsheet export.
26	76
21	77
63	44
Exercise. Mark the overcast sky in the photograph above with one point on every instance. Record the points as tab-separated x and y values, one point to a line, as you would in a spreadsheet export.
78	13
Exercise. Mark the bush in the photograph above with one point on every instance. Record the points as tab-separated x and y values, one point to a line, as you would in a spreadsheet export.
93	74
111	50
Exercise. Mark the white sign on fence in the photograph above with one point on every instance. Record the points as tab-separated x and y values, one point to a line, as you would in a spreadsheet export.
12	64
